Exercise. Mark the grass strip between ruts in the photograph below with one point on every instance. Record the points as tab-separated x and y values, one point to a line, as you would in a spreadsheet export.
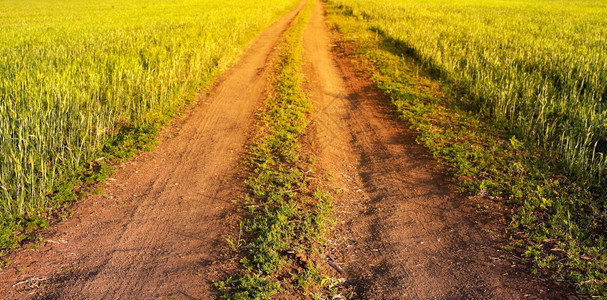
287	214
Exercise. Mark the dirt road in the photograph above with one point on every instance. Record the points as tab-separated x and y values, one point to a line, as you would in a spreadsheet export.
408	233
157	232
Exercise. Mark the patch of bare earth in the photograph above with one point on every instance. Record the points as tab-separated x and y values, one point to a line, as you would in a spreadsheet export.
404	232
158	230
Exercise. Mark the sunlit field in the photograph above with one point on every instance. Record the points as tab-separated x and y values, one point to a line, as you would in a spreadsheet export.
525	118
73	72
540	67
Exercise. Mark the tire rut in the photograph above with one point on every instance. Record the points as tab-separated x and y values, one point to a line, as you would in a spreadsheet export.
158	230
405	231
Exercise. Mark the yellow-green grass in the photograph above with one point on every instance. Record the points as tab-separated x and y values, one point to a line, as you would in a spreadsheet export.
539	67
75	75
558	221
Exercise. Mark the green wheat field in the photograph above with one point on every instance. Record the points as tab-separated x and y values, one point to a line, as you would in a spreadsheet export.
72	72
76	76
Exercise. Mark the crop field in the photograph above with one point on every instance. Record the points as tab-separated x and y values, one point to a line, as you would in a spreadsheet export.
539	67
371	149
525	117
73	72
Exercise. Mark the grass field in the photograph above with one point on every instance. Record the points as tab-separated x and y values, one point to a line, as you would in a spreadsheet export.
539	67
512	99
510	95
76	75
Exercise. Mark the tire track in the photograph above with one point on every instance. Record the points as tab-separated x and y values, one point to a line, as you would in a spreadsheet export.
408	233
158	231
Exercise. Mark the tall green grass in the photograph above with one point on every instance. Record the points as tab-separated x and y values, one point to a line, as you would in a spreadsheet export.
539	67
72	72
558	221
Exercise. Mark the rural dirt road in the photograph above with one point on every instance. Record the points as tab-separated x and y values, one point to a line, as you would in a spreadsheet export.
404	231
158	230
